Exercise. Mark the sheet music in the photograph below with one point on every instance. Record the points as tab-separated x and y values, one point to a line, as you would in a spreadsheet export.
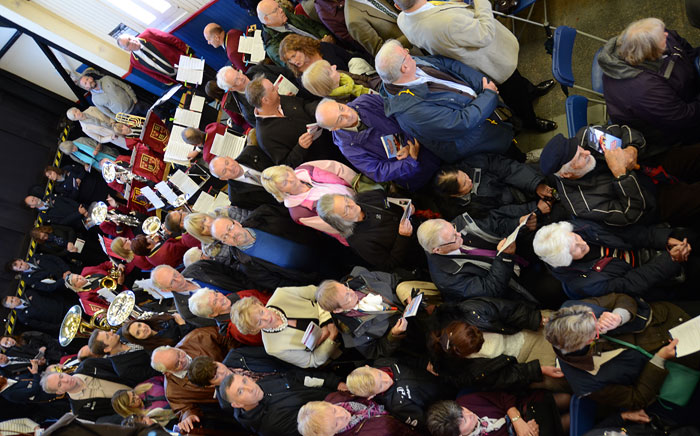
252	45
204	203
187	118
184	183
190	70
166	192
227	145
166	96
152	197
177	149
221	200
197	103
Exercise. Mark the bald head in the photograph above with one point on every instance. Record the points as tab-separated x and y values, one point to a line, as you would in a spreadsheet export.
214	34
332	115
193	136
271	14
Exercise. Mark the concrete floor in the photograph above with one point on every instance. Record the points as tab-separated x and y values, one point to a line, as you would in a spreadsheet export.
602	18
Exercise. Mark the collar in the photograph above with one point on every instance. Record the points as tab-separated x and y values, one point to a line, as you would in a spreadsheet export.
257	113
423	8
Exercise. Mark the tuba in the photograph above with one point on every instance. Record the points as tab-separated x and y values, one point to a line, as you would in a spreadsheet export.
74	325
134	122
99	212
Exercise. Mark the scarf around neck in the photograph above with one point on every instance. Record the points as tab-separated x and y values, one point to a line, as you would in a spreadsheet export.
347	87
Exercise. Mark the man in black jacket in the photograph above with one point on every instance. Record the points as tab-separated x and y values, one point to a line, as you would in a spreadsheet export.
464	262
281	127
44	272
39	310
228	78
59	210
127	360
243	176
269	406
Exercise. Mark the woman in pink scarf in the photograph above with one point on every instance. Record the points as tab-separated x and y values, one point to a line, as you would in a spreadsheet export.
301	188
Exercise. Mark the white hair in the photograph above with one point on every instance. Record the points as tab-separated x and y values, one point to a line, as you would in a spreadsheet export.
159	366
221	78
553	242
199	303
70	113
429	234
155	282
194	254
324	102
211	166
388	61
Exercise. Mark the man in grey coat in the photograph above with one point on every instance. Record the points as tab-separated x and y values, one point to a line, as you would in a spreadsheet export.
111	96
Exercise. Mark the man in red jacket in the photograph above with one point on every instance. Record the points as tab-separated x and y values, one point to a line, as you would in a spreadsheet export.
217	37
155	53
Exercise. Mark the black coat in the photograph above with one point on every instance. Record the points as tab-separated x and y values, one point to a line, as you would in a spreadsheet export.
65	234
276	414
64	211
35	340
27	390
247	195
69	187
93	408
46	311
50	267
279	136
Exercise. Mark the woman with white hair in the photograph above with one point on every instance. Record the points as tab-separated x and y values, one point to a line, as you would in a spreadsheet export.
585	333
651	83
98	126
591	259
324	80
88	152
301	188
198	225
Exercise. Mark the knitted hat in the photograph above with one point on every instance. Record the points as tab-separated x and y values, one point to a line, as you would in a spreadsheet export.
558	151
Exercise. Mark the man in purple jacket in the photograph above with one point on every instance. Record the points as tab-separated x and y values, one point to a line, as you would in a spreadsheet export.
358	128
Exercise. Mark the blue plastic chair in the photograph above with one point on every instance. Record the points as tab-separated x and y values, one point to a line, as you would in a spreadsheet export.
562	61
582	413
576	113
597	73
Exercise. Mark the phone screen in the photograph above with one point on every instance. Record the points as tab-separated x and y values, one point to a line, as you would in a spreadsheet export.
602	140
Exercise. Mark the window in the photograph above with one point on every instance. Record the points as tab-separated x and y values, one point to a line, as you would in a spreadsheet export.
160	14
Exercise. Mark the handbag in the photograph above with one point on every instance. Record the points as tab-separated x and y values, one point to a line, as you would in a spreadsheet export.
680	383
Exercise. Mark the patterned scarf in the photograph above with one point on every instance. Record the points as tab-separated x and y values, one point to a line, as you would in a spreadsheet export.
487	425
359	412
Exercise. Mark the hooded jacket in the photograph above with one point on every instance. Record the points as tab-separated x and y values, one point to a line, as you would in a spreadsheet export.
659	98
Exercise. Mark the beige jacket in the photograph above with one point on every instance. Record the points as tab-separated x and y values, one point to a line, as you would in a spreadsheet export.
371	27
298	303
468	34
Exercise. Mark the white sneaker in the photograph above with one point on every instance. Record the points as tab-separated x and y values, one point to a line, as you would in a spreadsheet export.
533	156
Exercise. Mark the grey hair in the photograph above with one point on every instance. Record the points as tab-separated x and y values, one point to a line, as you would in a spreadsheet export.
66	147
44	382
429	234
570	328
192	255
322	103
552	243
70	113
639	42
159	366
161	286
221	78
255	91
324	209
199	303
388	61
443	418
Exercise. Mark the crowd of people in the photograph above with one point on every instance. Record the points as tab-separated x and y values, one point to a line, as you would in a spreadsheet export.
367	277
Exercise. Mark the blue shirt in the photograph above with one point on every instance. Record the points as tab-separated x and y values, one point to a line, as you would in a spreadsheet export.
282	252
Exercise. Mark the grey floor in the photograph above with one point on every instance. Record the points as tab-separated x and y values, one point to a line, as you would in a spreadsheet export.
602	18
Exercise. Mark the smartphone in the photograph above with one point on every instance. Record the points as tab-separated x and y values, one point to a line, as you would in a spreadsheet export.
603	141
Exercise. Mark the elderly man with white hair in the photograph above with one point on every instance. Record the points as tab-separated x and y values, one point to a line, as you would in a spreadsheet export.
155	53
278	23
651	82
465	262
184	396
591	259
448	106
97	126
207	303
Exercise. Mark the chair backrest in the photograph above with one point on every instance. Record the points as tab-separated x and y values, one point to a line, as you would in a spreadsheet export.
582	413
597	73
562	68
576	113
522	5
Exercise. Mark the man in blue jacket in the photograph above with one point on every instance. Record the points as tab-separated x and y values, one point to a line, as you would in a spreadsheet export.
445	104
358	128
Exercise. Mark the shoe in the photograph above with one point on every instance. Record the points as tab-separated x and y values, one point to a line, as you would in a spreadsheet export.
533	156
543	88
542	125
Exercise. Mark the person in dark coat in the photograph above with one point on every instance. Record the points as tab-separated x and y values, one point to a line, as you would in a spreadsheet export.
281	127
617	187
374	229
404	392
375	329
591	259
583	333
59	210
31	343
26	390
56	240
495	191
465	262
40	311
344	414
358	134
234	83
44	272
269	406
243	177
66	180
155	331
653	87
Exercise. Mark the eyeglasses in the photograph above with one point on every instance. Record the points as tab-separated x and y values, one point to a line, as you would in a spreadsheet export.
453	241
597	329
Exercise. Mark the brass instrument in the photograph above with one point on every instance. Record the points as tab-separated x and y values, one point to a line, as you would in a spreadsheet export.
151	225
99	212
74	325
112	171
123	307
111	280
134	122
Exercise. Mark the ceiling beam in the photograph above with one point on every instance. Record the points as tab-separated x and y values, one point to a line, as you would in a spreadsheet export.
10	42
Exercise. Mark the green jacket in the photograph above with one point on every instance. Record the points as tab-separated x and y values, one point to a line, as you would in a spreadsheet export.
273	38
